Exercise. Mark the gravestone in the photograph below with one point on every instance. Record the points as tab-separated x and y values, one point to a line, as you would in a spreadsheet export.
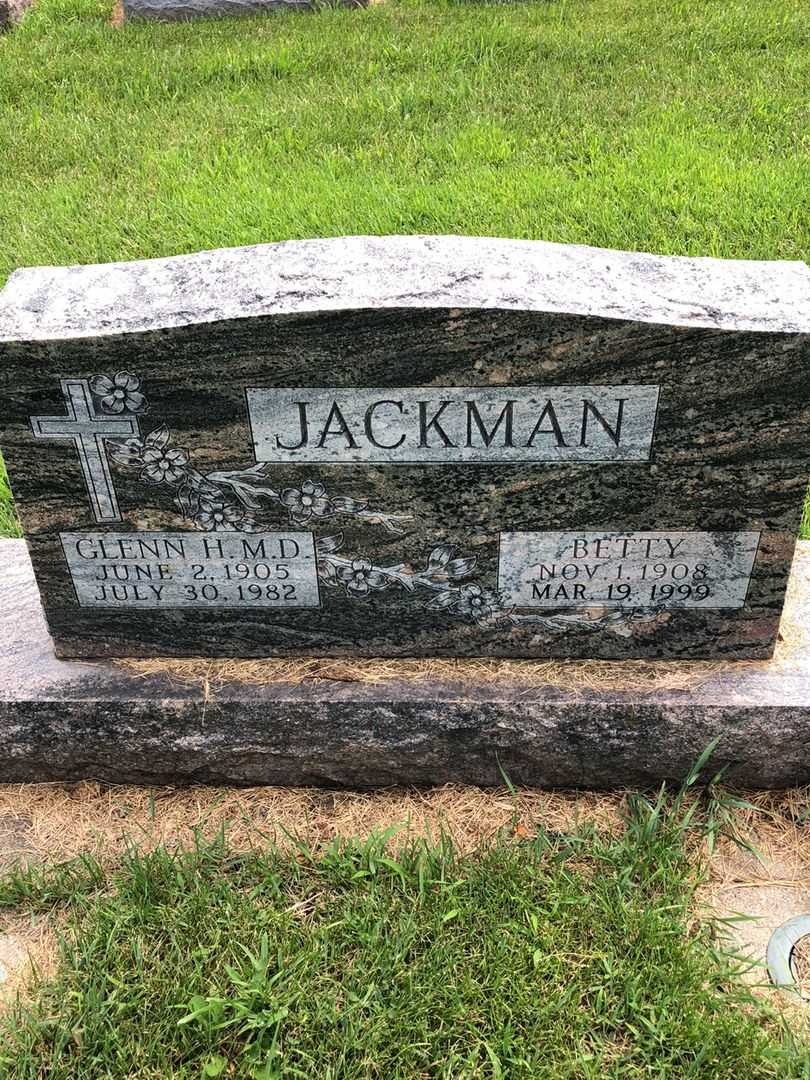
11	11
175	10
409	446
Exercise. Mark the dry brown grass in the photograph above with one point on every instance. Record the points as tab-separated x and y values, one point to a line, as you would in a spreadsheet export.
59	821
779	830
574	675
63	820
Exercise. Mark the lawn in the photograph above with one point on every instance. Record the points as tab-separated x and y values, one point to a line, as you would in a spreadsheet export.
678	126
541	956
9	525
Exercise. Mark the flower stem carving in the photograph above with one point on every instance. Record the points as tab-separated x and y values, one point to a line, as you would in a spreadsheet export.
231	499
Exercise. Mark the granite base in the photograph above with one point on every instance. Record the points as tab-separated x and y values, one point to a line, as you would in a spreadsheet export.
67	720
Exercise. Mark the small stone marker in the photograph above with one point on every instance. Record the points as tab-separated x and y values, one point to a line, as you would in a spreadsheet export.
398	446
11	11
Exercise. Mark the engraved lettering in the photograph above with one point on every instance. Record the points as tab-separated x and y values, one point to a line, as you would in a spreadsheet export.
82	546
450	424
642	570
549	414
213	548
303	426
253	549
369	425
342	430
230	570
425	425
614	433
506	418
130	546
288	548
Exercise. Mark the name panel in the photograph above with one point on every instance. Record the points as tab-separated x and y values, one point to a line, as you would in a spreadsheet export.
193	570
627	570
447	424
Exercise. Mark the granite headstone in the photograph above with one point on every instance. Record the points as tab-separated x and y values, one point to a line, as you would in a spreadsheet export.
409	446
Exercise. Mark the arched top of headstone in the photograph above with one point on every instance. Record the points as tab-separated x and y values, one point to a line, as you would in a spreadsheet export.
404	272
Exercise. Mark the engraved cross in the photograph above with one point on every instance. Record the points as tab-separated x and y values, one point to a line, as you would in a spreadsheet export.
88	431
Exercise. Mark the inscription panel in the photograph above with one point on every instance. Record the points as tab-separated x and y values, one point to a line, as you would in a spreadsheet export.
193	570
627	570
447	424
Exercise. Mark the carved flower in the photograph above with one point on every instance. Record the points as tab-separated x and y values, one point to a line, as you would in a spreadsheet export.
163	466
160	465
216	517
120	393
476	602
306	502
470	600
361	577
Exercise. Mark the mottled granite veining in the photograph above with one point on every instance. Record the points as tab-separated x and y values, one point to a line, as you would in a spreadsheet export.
401	273
659	402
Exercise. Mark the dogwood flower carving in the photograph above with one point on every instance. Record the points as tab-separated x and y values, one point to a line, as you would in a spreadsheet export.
470	601
118	394
311	501
476	602
360	577
162	465
306	502
219	517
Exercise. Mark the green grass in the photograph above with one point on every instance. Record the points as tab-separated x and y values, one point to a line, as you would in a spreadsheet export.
9	526
676	126
564	957
671	125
